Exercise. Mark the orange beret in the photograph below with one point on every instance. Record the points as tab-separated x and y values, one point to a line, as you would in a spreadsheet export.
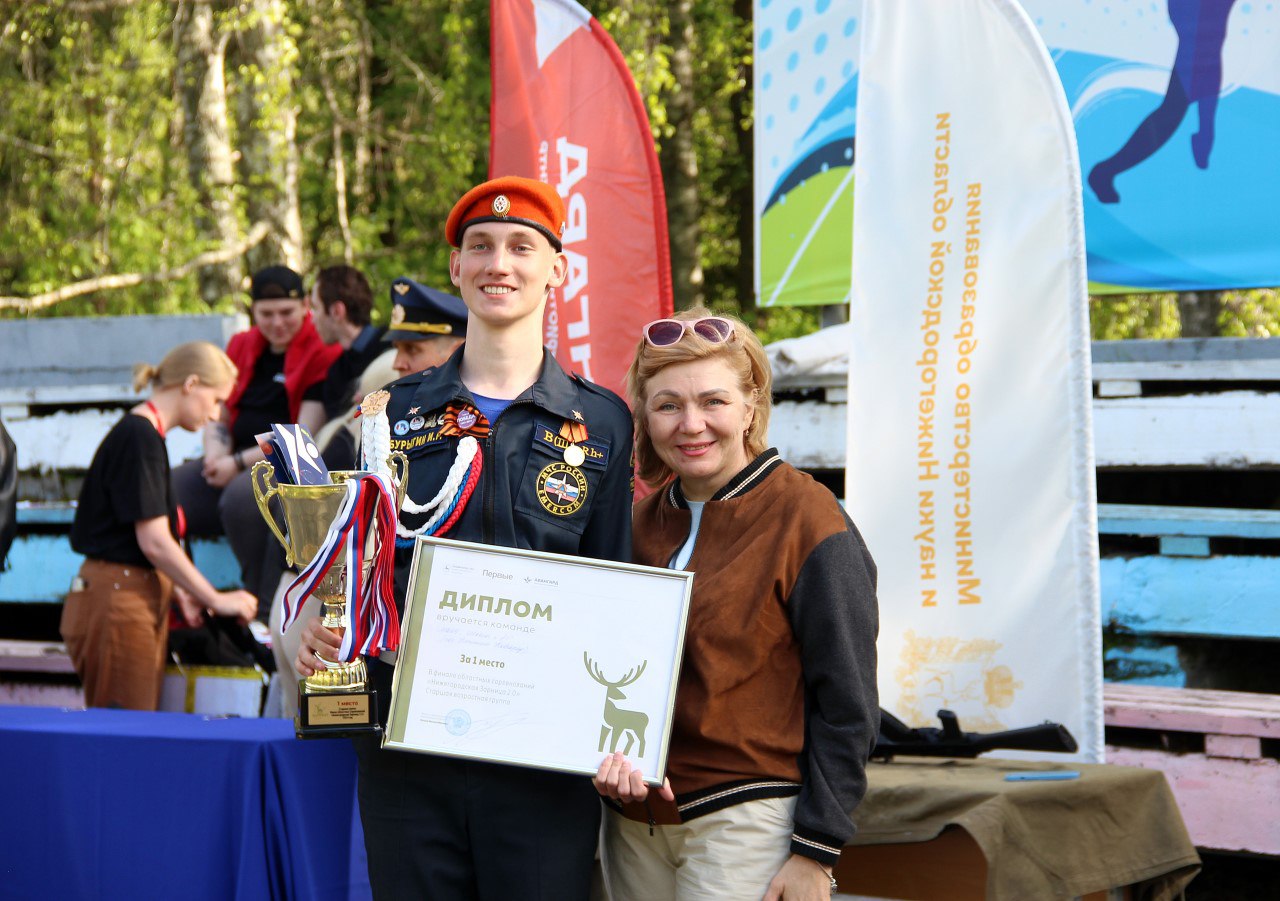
509	199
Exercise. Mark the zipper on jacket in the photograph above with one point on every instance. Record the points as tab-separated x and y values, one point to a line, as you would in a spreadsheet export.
487	475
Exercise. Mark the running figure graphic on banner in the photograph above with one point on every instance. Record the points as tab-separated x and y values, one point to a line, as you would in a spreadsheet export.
1196	77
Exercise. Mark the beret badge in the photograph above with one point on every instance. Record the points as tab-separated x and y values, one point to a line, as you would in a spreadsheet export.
501	205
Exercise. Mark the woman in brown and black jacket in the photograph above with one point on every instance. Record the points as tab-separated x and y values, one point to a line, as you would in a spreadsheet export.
776	709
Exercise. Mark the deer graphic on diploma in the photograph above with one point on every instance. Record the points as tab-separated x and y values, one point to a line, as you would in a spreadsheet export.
617	720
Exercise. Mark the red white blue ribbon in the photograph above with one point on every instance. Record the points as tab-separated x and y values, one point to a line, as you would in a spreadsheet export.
373	625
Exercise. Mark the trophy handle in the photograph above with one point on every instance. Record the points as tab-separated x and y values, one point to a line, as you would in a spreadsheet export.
399	464
262	477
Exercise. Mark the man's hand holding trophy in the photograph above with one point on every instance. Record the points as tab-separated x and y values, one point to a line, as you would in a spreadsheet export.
340	528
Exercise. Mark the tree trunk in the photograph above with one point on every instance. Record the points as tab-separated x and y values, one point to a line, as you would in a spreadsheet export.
745	278
339	170
201	55
680	165
364	104
1199	311
268	120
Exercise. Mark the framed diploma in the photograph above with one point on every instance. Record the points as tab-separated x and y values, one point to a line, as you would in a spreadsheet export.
538	660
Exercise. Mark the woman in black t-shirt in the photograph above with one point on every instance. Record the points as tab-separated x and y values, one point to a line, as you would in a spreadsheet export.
115	620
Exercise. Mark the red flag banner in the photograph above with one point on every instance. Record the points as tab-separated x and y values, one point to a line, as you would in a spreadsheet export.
566	110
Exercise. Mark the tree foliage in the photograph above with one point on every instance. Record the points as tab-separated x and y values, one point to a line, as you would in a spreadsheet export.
91	175
391	108
1134	316
355	124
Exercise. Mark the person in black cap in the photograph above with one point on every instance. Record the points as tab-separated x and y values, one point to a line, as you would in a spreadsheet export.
426	326
282	363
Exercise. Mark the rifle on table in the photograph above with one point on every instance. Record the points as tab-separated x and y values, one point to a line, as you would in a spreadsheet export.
896	737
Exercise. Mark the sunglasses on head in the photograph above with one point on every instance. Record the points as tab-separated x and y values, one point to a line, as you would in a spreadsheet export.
665	332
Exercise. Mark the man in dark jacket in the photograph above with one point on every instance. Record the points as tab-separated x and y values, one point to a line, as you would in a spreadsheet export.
341	305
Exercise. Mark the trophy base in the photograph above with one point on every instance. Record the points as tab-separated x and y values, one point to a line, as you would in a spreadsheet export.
347	714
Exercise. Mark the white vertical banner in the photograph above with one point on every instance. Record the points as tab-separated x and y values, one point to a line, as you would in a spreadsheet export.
970	464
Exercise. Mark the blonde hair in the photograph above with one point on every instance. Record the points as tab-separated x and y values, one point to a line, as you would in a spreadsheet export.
745	356
206	362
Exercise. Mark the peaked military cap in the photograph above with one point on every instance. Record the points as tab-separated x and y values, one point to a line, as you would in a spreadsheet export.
420	312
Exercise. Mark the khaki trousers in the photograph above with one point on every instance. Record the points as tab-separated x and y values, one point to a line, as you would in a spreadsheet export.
730	854
284	645
115	622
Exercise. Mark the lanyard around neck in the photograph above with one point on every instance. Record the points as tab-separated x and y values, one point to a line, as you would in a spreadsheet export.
155	413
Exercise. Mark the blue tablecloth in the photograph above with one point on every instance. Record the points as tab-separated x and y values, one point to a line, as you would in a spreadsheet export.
121	804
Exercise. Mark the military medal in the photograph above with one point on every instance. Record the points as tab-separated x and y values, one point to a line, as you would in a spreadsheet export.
575	433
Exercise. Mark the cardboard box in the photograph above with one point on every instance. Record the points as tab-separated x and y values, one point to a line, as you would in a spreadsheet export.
214	690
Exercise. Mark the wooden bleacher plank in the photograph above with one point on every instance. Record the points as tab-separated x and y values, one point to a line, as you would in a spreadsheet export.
25	396
809	435
1182	360
45	514
1145	661
1228	805
34	657
1184	546
29	694
1177	360
65	441
1209	522
44	357
1229	795
41	567
1224	596
1191	710
217	562
1227	430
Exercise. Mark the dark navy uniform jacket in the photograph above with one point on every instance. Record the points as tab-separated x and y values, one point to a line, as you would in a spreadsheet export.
528	496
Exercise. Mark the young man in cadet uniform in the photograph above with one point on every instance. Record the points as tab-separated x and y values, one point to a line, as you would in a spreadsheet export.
445	828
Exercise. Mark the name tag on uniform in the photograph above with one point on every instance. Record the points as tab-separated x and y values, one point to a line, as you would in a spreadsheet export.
593	453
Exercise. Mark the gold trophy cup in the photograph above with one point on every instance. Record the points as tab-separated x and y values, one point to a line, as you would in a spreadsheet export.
339	699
